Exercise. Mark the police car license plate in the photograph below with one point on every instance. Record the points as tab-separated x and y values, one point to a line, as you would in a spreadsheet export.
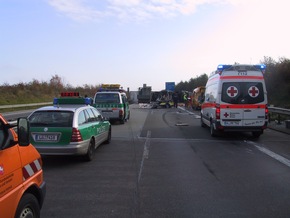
46	137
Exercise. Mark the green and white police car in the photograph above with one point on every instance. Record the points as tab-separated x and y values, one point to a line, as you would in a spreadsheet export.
70	127
112	103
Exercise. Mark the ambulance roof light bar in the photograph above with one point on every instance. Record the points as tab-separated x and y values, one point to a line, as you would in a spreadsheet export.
261	67
221	67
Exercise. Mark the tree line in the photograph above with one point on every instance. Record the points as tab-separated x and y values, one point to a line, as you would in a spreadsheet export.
277	78
36	91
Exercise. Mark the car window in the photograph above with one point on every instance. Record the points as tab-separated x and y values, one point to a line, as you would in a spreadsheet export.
211	93
96	113
1	134
51	118
82	118
91	116
242	92
107	98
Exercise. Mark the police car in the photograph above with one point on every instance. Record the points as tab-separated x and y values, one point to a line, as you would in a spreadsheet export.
112	102
70	127
236	100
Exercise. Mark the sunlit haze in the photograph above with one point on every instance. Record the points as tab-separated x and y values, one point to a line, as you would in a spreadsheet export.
136	42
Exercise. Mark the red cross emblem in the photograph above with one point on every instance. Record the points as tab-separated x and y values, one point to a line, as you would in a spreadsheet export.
232	91
253	91
226	114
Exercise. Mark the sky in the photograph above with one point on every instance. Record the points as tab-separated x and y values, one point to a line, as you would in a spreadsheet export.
136	42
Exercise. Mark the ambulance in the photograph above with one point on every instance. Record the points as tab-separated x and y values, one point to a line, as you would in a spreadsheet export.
111	100
22	188
236	100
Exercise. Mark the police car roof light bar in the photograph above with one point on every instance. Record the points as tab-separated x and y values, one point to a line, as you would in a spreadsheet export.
70	94
72	101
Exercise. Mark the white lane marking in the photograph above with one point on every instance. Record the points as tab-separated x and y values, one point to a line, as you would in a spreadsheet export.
145	153
189	112
277	157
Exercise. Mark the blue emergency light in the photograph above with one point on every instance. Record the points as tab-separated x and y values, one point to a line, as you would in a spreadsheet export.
73	101
55	101
222	67
261	67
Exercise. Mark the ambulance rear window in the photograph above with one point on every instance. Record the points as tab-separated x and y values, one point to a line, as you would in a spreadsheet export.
242	92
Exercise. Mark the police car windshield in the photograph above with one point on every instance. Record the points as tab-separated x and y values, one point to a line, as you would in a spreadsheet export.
107	98
242	92
51	118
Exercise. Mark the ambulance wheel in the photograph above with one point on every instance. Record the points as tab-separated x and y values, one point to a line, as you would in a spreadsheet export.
89	155
202	124
213	132
257	134
28	207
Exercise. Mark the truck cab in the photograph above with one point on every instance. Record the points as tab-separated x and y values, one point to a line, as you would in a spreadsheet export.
22	188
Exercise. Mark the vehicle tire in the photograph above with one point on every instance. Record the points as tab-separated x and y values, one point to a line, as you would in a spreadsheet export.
109	137
90	153
28	207
213	132
202	124
122	121
257	134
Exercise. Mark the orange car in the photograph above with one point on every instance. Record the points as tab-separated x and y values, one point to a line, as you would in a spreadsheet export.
22	188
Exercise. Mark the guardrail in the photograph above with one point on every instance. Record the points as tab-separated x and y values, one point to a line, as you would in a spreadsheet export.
24	105
281	111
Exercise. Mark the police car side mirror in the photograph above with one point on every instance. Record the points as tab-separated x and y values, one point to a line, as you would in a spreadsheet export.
23	132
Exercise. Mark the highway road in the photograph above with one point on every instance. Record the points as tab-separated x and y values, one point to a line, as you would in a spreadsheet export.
161	163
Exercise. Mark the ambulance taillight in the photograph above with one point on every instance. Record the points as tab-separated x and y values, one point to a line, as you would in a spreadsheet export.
217	111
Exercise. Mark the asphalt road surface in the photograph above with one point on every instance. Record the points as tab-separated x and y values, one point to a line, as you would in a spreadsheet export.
161	163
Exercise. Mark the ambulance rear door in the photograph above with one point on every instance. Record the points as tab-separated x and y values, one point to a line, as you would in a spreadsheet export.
243	103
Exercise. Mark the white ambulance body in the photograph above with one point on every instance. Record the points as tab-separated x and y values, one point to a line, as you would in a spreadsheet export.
236	100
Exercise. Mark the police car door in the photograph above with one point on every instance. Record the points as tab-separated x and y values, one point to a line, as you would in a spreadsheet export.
95	127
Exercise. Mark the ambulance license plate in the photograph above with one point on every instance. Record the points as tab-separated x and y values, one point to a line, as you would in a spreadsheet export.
231	123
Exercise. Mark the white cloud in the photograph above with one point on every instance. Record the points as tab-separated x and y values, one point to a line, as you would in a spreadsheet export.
82	10
76	9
